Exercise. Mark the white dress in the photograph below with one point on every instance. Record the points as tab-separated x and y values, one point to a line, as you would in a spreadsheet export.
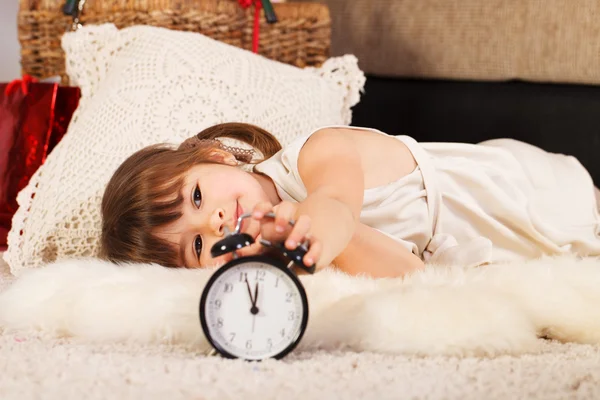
472	204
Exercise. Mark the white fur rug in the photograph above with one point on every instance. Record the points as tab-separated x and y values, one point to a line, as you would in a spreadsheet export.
448	332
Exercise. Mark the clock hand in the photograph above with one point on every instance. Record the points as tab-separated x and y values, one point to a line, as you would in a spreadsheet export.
254	309
256	293
249	291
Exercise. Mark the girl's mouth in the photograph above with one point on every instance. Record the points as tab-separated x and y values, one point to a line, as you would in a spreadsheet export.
246	224
238	211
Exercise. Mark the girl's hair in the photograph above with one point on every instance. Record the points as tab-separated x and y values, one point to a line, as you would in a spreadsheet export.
145	193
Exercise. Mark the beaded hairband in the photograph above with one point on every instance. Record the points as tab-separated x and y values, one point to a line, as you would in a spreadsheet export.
240	154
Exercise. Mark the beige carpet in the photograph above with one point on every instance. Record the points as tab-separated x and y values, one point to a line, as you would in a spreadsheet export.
32	367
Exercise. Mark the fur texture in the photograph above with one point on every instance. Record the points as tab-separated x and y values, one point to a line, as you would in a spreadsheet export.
486	311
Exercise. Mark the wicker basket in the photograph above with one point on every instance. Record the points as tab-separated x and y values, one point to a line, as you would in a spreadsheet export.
301	37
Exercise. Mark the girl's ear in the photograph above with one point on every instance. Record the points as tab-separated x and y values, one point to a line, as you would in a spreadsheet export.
222	157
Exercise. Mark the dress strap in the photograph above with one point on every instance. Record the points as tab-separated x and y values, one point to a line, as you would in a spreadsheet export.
434	197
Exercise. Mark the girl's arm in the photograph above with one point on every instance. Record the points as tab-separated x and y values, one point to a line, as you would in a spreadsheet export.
331	170
374	254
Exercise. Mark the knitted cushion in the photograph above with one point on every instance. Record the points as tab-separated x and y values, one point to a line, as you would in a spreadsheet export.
143	85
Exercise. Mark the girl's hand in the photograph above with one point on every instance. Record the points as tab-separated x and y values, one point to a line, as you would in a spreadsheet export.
280	230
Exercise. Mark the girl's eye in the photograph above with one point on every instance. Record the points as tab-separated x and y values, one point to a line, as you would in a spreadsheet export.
198	246
197	197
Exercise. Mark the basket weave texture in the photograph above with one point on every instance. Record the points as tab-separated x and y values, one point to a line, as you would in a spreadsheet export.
301	37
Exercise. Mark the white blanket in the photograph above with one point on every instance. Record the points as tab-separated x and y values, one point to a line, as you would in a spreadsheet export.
482	311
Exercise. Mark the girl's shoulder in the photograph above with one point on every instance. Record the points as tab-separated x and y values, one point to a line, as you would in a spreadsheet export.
290	152
383	158
356	129
296	145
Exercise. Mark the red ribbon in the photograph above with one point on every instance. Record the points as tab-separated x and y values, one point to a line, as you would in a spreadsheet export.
256	29
14	85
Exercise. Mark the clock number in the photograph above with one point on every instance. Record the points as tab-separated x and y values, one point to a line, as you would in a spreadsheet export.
232	334
291	316
228	288
249	344
217	304
270	343
277	282
288	297
282	332
242	276
260	275
220	323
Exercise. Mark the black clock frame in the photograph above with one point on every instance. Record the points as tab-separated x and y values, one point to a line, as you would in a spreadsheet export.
276	263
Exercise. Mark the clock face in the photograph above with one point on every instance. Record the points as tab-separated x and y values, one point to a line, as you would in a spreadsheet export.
253	310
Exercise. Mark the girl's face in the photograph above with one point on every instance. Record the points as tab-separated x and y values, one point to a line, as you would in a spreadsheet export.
214	196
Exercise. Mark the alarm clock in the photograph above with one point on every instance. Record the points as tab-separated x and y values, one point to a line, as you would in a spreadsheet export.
254	307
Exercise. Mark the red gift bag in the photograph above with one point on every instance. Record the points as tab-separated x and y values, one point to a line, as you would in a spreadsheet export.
34	117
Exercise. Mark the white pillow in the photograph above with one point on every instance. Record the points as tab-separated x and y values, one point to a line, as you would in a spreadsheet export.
143	85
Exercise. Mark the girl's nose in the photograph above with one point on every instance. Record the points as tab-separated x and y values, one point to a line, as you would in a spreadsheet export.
217	222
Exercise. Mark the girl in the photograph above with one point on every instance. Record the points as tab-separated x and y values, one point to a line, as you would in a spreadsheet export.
367	202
